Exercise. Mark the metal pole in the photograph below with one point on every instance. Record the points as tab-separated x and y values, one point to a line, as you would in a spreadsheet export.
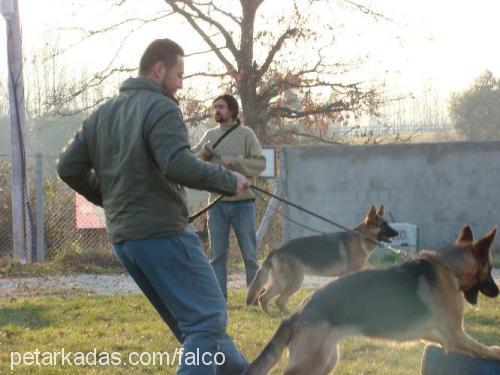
21	216
266	219
283	184
40	211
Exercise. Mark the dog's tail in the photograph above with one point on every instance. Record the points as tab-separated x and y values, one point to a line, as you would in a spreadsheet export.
274	349
260	280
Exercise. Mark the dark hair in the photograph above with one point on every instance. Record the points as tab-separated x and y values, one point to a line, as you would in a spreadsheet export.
232	104
165	50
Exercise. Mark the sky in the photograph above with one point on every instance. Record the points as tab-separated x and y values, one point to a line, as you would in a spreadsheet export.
438	45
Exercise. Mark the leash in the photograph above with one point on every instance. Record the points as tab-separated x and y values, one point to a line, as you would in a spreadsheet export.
226	133
400	252
258	195
211	204
203	210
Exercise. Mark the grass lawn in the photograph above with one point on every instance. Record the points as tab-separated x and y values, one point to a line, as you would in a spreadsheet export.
126	324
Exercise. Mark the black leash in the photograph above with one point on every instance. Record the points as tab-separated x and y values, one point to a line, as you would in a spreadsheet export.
205	209
253	187
260	196
226	133
211	204
369	238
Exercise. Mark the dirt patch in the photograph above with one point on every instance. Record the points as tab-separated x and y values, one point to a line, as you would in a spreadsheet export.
110	284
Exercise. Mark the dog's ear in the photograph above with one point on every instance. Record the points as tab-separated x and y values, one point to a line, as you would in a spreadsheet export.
481	248
381	211
465	236
371	217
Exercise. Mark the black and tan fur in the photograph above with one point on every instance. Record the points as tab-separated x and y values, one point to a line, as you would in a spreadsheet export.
422	298
282	272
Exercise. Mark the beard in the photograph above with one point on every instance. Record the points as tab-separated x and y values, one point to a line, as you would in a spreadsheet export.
164	85
219	118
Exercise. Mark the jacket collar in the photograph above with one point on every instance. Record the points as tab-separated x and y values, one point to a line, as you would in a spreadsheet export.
140	83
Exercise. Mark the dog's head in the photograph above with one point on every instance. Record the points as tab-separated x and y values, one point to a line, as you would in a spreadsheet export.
481	279
378	226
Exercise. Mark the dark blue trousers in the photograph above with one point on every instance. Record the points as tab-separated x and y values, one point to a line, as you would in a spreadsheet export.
175	275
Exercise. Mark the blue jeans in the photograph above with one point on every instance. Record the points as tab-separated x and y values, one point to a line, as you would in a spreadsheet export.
176	277
241	216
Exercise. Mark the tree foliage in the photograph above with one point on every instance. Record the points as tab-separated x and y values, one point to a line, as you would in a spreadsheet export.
475	111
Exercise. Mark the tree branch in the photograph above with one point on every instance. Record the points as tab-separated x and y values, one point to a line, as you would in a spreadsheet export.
202	52
95	81
368	10
227	14
290	113
197	118
190	18
229	41
202	74
91	33
286	82
272	53
82	109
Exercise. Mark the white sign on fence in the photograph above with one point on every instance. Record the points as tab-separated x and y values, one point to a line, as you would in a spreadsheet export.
270	154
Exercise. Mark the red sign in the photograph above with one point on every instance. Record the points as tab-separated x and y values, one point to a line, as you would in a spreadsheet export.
88	215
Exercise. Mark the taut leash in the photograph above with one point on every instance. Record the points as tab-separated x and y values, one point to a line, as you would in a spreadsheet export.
211	204
369	238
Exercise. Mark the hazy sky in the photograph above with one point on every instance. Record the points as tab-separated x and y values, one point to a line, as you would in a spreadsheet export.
443	44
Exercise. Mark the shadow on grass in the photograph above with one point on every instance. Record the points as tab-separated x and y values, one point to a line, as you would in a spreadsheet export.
27	315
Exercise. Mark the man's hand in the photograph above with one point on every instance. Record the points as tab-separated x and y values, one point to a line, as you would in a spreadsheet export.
242	182
226	160
207	150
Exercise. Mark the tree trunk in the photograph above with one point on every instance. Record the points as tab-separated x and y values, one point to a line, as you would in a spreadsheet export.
246	84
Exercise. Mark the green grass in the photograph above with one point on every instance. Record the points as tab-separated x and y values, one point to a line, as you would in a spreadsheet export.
69	261
75	260
128	323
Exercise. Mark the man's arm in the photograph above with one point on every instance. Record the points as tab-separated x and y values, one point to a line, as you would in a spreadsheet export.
75	169
169	144
197	150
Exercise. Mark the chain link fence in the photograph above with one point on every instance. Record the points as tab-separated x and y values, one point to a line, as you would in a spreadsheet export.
57	236
73	236
6	243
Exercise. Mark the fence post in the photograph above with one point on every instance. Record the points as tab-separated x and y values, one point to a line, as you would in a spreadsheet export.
283	184
40	210
22	225
266	219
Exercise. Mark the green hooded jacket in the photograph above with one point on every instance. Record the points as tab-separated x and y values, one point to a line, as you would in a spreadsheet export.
132	157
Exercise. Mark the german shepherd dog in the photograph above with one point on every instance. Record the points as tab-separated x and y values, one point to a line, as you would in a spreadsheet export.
418	299
336	254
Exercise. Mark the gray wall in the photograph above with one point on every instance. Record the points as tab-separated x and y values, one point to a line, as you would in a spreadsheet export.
437	186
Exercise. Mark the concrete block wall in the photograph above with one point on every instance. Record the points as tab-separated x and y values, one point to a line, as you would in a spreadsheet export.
437	186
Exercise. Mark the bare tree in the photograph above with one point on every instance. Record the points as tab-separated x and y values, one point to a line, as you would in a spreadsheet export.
258	64
262	85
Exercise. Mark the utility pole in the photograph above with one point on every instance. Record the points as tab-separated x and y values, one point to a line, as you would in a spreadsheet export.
22	220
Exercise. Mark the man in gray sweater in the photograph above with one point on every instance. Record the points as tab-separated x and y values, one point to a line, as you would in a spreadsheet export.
132	157
239	151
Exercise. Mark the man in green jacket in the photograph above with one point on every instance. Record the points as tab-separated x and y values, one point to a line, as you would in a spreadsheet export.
132	157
